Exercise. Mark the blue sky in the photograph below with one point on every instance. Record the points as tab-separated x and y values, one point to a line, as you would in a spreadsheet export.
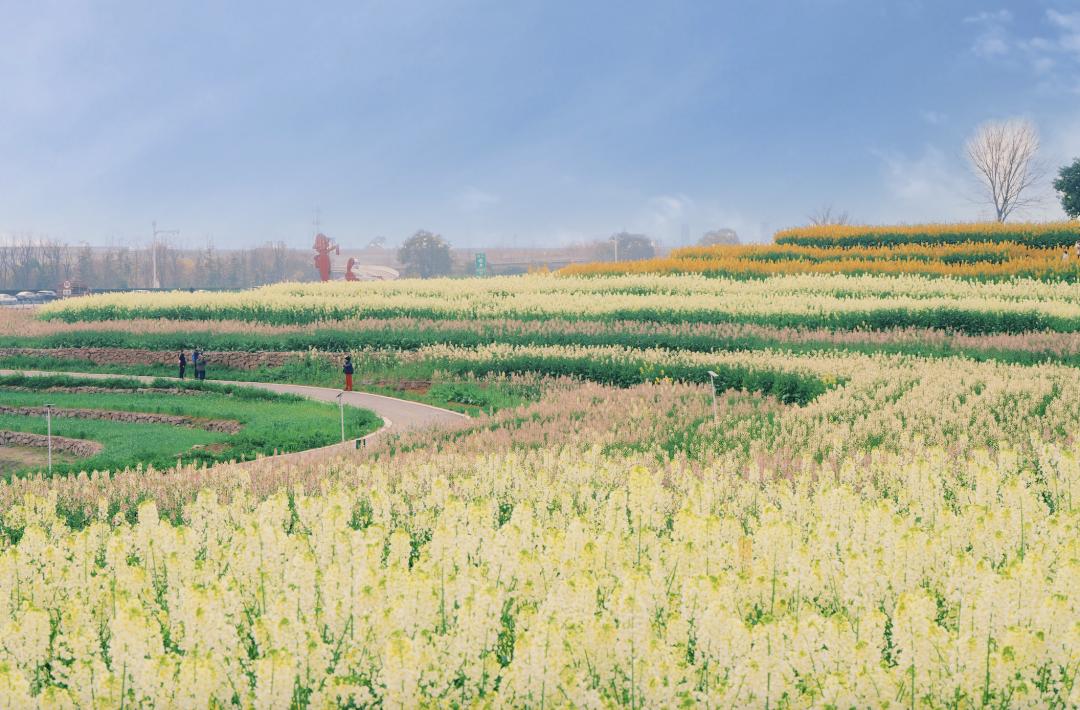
512	122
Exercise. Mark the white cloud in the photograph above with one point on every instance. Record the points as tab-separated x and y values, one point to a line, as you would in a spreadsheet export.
666	208
934	118
473	199
992	40
995	17
677	219
662	217
1043	65
1052	56
1070	140
1069	24
1068	21
990	45
925	187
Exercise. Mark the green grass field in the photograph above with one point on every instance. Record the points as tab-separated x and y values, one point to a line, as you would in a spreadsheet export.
463	394
269	422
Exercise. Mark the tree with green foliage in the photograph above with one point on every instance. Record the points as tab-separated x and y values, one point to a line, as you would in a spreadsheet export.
426	255
719	236
632	247
1068	187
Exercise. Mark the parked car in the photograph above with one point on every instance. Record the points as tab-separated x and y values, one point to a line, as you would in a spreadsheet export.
27	297
47	295
7	299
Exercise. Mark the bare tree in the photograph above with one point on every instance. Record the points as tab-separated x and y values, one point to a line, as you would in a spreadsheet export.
827	215
1002	156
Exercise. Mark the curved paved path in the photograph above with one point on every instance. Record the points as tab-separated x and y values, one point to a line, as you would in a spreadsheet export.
397	414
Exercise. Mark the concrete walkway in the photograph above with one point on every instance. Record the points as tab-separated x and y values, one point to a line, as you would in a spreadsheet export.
398	415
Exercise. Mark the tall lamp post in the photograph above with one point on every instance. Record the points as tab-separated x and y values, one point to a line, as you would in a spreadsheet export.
48	432
712	381
341	411
615	241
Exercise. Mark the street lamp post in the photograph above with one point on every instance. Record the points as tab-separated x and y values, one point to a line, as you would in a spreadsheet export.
712	381
615	241
48	432
341	411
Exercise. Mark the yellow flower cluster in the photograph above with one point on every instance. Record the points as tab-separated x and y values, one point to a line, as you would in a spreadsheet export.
987	260
1044	234
598	585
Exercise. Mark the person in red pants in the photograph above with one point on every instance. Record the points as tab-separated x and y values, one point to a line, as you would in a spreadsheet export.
348	370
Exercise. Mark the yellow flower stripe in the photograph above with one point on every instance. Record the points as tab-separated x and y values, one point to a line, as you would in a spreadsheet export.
973	250
1050	267
981	260
1045	234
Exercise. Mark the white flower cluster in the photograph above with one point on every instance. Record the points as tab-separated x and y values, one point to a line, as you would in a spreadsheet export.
598	585
663	297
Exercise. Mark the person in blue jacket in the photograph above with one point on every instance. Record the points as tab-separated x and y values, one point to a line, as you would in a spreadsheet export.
348	370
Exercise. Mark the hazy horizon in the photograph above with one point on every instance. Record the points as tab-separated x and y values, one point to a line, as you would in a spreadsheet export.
513	124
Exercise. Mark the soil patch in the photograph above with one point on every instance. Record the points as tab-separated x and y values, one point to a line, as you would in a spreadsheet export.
413	386
20	458
212	448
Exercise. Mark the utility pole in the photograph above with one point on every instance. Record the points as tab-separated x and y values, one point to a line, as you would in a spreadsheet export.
48	432
155	281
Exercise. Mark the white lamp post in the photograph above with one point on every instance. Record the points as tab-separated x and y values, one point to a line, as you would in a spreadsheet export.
48	432
712	381
341	411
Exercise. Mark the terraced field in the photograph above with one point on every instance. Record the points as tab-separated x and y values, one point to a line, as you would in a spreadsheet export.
798	491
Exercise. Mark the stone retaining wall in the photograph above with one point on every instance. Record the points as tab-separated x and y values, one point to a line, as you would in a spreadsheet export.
225	426
127	356
78	447
87	389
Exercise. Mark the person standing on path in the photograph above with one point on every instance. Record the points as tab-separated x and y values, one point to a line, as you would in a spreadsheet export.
183	364
348	370
200	368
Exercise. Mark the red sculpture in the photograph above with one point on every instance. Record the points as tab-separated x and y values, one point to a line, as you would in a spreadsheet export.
323	246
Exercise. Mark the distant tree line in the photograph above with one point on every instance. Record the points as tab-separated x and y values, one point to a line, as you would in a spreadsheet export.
28	262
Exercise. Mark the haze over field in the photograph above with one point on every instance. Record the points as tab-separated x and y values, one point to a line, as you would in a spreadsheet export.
513	123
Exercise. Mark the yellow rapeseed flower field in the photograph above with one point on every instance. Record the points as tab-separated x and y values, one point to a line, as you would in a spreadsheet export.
1037	234
984	251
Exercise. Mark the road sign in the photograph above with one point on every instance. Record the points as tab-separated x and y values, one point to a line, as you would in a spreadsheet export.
481	263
